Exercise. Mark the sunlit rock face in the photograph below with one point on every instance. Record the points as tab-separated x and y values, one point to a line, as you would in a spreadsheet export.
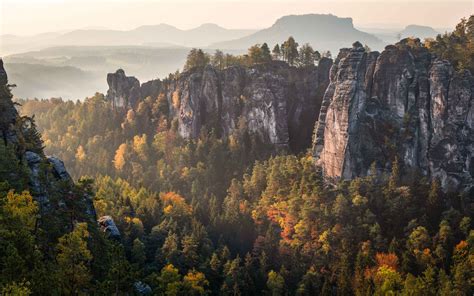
277	102
124	91
400	104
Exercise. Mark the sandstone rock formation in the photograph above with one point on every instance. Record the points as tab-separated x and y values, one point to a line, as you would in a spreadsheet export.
400	104
277	102
123	91
126	91
47	175
374	108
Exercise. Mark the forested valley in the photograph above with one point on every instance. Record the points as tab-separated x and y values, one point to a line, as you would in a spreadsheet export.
220	215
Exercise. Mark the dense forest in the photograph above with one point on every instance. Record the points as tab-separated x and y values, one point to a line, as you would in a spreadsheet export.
226	216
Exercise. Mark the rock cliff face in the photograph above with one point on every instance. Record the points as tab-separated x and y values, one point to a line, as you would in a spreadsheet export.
373	108
47	175
126	91
123	91
277	102
400	104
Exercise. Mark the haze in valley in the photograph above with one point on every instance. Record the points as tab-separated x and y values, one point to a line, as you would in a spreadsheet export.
150	39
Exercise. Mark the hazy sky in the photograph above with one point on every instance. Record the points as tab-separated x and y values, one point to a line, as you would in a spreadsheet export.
35	16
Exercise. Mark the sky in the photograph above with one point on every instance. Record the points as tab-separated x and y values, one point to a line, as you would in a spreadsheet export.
28	17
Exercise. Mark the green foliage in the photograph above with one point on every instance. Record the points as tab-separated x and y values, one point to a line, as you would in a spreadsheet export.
221	216
170	282
259	54
276	52
276	283
457	46
307	56
196	59
289	50
12	170
73	259
295	225
16	289
256	54
119	275
17	247
218	60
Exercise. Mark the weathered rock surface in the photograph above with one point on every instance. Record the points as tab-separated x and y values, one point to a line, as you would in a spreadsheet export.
47	174
123	91
277	102
126	91
108	226
402	103
141	288
150	88
369	108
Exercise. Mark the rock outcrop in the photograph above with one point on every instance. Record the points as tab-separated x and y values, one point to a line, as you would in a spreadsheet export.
108	226
126	91
400	104
278	102
368	108
46	175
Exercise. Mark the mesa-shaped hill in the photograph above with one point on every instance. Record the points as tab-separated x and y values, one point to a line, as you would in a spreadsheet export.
322	31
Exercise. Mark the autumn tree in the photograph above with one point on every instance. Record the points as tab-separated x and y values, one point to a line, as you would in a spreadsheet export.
259	54
169	280
195	283
276	283
196	59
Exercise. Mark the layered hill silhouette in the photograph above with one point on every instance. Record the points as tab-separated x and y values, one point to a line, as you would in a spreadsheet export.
72	64
161	35
418	31
322	31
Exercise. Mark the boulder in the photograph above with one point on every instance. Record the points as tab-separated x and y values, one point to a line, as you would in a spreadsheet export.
107	225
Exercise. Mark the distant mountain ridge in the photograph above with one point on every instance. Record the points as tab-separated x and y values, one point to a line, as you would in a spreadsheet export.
73	68
393	35
418	31
322	31
163	35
